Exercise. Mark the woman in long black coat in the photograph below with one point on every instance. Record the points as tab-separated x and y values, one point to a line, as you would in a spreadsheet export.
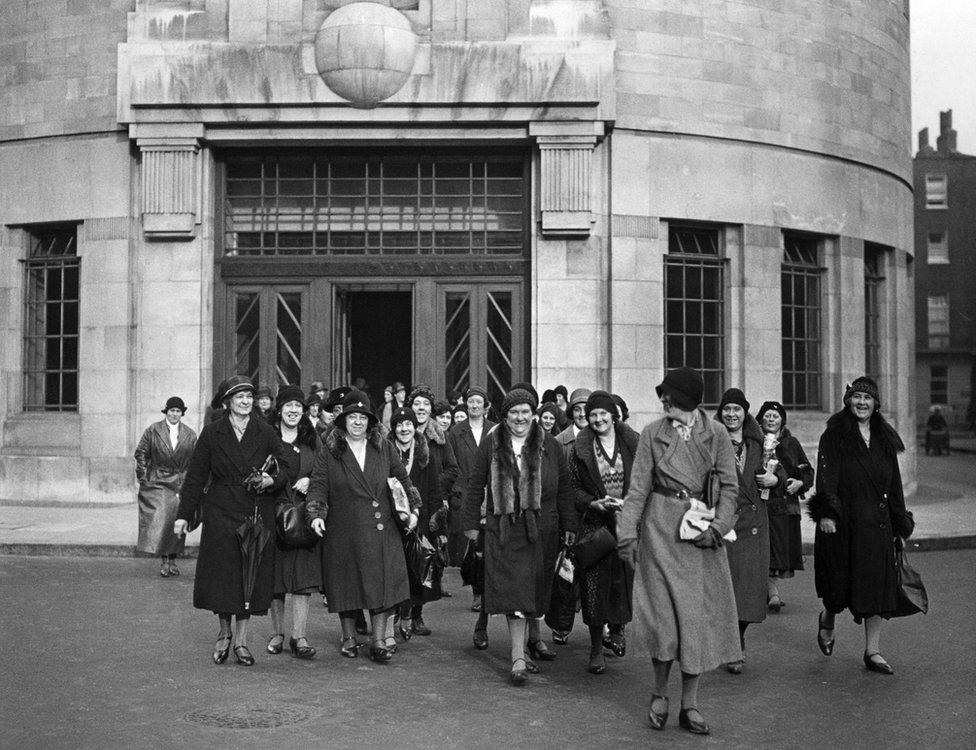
349	503
529	503
600	462
860	511
227	451
749	553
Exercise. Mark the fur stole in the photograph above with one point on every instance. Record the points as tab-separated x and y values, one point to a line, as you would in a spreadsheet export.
503	476
842	427
421	449
335	440
433	432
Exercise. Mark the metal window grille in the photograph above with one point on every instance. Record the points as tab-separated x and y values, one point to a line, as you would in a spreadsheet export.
939	384
938	312
873	289
936	191
694	306
51	320
386	204
801	321
938	248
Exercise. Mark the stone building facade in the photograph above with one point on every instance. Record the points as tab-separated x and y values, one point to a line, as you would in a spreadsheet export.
573	191
945	245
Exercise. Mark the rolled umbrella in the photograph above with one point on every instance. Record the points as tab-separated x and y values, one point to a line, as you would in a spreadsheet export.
252	537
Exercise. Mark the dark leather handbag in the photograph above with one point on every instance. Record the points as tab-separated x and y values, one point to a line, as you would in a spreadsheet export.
912	597
291	523
592	545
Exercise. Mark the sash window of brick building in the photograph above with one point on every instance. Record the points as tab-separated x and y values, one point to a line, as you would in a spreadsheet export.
802	304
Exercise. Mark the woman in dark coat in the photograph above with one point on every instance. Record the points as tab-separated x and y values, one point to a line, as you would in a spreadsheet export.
749	552
529	503
227	452
349	502
787	477
296	571
600	462
684	605
162	457
860	511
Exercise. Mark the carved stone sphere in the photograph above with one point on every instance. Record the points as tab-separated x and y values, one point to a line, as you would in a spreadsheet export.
365	52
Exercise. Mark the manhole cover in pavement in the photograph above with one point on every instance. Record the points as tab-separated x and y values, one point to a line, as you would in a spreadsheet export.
247	718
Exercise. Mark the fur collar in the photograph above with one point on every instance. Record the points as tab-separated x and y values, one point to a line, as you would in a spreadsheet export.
421	449
842	427
335	440
584	441
433	432
503	472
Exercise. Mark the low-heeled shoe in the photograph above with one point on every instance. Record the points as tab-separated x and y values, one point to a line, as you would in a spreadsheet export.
826	644
220	654
300	652
881	667
540	650
349	648
243	656
380	654
480	639
656	720
276	648
690	725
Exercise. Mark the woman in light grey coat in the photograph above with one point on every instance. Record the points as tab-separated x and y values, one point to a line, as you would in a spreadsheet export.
684	606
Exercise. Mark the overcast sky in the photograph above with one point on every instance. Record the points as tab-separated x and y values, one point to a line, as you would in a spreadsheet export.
944	68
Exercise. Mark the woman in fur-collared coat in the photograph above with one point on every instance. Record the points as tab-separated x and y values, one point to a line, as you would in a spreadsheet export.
860	511
529	504
349	504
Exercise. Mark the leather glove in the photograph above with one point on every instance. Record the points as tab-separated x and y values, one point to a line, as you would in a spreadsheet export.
708	539
627	552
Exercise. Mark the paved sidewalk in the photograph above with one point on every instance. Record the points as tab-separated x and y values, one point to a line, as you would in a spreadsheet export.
944	508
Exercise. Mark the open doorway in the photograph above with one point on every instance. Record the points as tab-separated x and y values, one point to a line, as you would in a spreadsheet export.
378	345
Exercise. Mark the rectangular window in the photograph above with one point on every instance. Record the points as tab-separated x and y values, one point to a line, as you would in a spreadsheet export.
939	384
938	308
375	204
801	319
938	248
51	319
694	305
873	287
936	191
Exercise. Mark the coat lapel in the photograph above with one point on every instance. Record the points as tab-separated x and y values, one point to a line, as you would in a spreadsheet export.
162	437
229	444
352	467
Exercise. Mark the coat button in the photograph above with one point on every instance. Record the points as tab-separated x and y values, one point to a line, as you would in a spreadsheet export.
753	507
377	515
376	504
755	531
882	506
379	527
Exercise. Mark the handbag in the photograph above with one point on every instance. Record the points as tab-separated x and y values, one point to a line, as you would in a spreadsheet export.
564	600
291	523
595	543
912	597
401	503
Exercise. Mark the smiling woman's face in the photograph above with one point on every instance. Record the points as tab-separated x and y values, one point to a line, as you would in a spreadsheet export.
519	420
862	406
732	416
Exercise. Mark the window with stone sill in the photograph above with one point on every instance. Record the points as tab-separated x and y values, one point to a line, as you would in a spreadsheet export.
395	203
51	302
936	191
938	315
939	384
694	305
802	309
938	248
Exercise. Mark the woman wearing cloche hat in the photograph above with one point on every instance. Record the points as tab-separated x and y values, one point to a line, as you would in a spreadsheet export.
162	457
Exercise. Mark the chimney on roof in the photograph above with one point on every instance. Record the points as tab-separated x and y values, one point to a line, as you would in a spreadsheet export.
923	142
946	142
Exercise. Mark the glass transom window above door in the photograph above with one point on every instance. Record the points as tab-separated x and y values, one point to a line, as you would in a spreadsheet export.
402	202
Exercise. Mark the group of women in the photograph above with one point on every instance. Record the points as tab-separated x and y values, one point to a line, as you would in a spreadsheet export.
702	514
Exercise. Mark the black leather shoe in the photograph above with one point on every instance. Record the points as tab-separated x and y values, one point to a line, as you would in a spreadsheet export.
349	647
656	720
480	639
419	627
691	725
876	663
276	643
826	644
531	667
616	643
300	651
518	676
402	633
597	663
243	656
540	650
220	654
380	654
173	570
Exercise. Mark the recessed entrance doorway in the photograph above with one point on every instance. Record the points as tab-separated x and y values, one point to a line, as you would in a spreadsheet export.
373	338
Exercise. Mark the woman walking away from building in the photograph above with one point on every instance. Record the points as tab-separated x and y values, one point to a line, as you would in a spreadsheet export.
684	606
786	477
162	457
349	502
227	453
749	552
600	463
529	504
860	512
296	571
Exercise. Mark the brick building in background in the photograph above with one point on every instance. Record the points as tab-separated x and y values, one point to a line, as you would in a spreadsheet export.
584	192
945	276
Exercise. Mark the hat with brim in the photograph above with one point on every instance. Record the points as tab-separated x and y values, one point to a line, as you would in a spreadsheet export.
233	384
403	414
684	386
289	393
356	402
174	402
580	396
335	397
476	390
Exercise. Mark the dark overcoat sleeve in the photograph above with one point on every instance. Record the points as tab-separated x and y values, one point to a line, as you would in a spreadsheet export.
319	486
583	491
142	455
477	481
902	520
565	497
450	471
641	484
197	475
